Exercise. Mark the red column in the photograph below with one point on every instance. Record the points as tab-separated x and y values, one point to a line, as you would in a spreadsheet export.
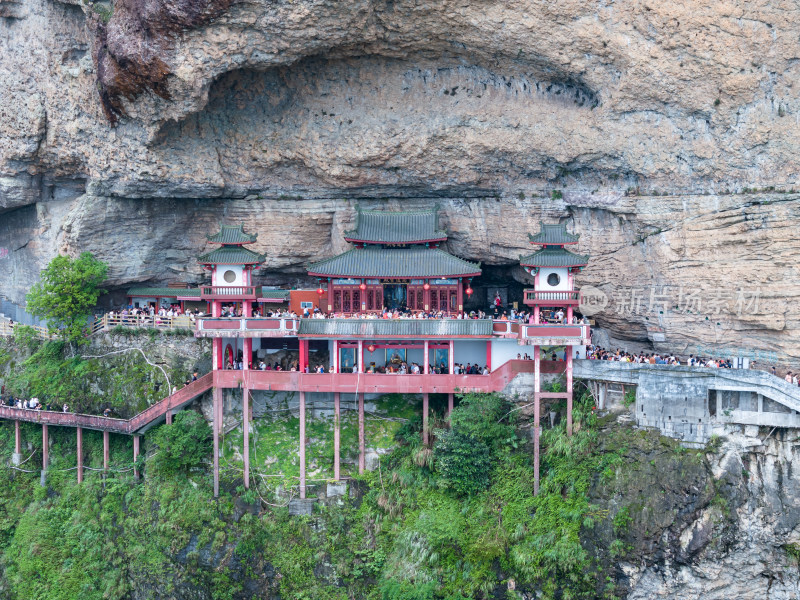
489	355
425	437
451	357
246	435
169	416
135	457
536	315
336	425
426	358
45	447
248	352
569	390
106	451
450	403
360	356
303	355
330	294
247	308
336	367
361	440
460	298
80	454
216	411
216	308
17	439
536	418
427	295
569	315
217	354
302	444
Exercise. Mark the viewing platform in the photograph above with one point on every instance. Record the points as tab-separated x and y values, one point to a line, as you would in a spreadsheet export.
534	297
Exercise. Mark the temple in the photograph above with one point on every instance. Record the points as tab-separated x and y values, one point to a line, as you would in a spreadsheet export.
394	324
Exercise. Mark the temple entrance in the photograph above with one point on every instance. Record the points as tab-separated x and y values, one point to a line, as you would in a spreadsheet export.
394	296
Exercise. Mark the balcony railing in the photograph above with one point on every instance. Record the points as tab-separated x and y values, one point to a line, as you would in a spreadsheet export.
532	297
555	335
239	327
228	292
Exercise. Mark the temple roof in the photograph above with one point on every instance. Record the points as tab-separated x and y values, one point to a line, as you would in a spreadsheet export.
274	295
553	234
230	255
408	227
554	257
164	292
413	262
232	234
395	328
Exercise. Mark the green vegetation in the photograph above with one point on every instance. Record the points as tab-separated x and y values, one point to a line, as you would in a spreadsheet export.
183	446
556	195
67	293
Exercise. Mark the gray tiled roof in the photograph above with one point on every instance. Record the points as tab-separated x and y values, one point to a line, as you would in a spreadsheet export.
413	262
163	292
230	255
275	294
232	234
395	328
396	227
558	257
553	234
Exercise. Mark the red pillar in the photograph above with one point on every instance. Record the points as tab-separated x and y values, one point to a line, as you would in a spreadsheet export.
216	308
569	390
536	417
427	295
425	436
330	294
451	357
536	315
336	367
489	355
169	416
426	358
106	451
217	354
248	352
80	454
216	411
45	447
246	435
17	438
247	309
336	425
135	457
450	403
302	444
361	442
303	344
460	294
360	356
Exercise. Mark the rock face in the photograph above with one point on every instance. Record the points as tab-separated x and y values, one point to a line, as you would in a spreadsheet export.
650	120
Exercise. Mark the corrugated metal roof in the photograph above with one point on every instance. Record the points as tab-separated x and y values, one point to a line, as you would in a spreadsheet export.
163	292
549	257
396	227
230	255
232	234
553	234
394	328
414	262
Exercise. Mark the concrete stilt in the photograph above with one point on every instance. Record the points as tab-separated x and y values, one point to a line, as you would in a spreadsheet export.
135	457
336	425
80	454
449	404
216	426
246	436
425	436
302	445
536	416
16	458
45	447
569	390
362	461
169	417
106	451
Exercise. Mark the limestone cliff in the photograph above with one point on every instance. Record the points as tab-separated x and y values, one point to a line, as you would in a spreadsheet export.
131	129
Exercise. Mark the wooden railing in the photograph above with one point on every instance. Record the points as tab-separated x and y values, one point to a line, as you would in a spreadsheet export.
556	298
7	329
108	322
232	292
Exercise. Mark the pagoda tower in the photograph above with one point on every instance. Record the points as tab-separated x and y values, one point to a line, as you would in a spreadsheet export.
553	268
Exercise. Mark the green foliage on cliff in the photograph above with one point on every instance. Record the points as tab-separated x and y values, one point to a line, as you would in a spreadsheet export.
67	293
183	446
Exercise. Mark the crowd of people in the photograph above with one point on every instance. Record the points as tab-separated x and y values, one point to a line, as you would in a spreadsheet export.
619	355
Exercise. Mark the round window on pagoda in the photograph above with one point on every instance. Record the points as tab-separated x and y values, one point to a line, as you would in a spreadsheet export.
229	276
553	279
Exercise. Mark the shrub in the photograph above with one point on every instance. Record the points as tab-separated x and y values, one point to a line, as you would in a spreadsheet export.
181	446
463	461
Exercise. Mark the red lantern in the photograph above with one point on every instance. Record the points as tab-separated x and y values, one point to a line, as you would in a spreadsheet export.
468	291
426	286
363	286
320	291
371	348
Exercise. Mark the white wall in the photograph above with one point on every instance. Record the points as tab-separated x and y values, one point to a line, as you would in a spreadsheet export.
219	279
470	351
545	272
505	350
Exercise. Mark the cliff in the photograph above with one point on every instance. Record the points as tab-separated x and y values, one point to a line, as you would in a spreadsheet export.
123	124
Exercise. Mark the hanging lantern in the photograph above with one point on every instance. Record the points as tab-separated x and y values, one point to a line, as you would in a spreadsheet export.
371	348
426	286
320	291
363	286
468	291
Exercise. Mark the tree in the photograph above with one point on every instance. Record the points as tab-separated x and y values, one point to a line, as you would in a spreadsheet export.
181	446
67	293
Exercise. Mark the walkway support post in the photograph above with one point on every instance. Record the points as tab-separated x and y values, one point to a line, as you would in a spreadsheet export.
217	425
450	404
425	436
569	390
451	359
80	454
106	451
45	447
246	435
169	417
336	425
302	444
17	439
426	359
361	441
136	439
536	417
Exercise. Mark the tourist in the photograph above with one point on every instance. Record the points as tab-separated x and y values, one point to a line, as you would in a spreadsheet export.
65	407
107	413
788	377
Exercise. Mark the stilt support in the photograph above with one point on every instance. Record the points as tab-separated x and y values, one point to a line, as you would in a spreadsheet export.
45	448
106	451
246	435
80	454
136	440
362	461
169	417
569	390
425	407
449	404
17	439
302	444
337	418
536	416
217	426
